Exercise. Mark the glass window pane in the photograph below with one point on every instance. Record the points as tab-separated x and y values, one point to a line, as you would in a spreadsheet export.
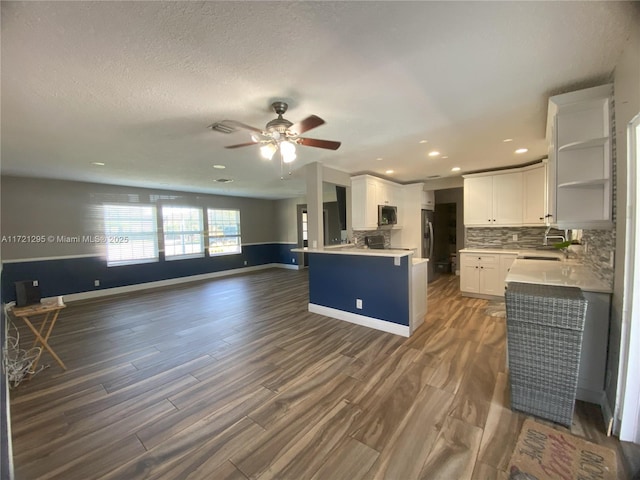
131	233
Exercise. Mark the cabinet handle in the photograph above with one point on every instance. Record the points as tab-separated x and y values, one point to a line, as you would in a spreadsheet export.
548	215
541	218
481	268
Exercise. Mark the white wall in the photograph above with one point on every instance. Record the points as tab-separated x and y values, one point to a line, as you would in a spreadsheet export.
627	105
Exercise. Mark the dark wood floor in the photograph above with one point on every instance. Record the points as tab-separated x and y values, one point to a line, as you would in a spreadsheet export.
233	378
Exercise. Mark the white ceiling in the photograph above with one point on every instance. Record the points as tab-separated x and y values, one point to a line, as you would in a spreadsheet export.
135	84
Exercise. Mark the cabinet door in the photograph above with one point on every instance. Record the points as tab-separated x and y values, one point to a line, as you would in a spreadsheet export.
469	273
478	201
364	207
371	210
507	199
534	196
490	283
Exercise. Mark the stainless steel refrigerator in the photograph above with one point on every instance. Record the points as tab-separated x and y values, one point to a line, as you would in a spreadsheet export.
427	241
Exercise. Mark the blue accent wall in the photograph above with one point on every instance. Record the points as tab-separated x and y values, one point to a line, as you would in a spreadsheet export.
75	275
336	281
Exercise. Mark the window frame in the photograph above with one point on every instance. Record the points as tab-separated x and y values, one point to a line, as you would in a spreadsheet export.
210	236
123	234
182	233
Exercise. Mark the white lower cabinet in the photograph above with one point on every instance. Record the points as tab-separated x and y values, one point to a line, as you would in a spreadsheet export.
480	274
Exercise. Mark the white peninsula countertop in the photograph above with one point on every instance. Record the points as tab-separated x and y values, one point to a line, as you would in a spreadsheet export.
562	273
353	250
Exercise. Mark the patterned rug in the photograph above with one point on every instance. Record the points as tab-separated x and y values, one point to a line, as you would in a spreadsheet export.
543	453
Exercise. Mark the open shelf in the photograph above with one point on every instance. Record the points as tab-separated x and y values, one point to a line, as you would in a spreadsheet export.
599	182
592	142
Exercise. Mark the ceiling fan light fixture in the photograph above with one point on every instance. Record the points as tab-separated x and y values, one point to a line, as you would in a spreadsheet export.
268	150
288	151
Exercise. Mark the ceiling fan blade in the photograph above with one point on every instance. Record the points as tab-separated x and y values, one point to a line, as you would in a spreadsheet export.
244	126
306	124
241	145
314	142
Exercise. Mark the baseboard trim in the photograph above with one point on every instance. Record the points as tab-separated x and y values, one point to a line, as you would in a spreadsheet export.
105	292
362	320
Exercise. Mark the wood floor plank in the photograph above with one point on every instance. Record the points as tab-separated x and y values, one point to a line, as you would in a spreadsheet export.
482	471
454	452
407	451
449	374
193	453
56	458
501	428
350	460
473	399
233	378
307	455
378	424
225	410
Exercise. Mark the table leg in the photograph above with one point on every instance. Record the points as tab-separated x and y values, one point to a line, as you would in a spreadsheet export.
43	341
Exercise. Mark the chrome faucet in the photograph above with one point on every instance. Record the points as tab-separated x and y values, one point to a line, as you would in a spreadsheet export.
557	237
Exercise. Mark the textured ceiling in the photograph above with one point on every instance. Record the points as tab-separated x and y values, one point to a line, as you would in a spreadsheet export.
134	85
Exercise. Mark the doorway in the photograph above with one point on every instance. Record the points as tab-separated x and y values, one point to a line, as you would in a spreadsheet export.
445	237
303	234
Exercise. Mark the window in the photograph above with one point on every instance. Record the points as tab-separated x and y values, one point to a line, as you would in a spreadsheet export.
224	232
305	227
183	231
131	233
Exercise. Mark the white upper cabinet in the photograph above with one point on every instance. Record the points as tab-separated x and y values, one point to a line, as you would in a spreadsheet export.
579	135
478	200
428	201
534	205
364	203
507	199
493	199
367	192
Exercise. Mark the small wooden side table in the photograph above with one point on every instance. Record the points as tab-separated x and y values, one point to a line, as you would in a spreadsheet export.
50	313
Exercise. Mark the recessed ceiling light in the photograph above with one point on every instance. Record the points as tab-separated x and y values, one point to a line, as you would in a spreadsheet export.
434	153
219	167
424	141
455	169
507	140
98	164
445	157
224	180
522	150
388	171
379	159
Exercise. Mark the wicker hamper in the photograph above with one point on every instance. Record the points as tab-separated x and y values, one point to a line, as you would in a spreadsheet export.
544	335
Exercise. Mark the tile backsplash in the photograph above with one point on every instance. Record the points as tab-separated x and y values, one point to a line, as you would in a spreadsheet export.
599	244
358	236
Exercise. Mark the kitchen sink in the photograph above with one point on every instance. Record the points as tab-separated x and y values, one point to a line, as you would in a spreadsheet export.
540	257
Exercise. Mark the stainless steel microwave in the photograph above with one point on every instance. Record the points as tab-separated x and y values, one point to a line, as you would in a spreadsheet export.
387	215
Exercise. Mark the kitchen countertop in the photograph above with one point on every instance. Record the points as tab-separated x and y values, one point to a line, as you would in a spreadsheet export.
564	274
352	250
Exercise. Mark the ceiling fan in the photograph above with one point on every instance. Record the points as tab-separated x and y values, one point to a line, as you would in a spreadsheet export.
279	134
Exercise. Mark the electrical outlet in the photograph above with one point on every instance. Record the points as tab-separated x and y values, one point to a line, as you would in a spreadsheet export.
612	259
315	244
35	283
515	237
245	262
293	260
359	303
96	283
